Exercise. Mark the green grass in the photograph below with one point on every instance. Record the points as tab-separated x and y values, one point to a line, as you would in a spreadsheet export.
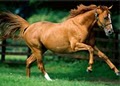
63	74
16	57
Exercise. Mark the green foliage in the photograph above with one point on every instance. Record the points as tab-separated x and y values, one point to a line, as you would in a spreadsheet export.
46	14
63	74
32	1
35	3
116	21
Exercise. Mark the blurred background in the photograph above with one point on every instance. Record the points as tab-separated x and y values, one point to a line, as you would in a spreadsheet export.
15	52
58	11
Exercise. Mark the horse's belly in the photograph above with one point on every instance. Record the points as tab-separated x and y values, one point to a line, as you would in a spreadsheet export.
58	47
63	49
56	40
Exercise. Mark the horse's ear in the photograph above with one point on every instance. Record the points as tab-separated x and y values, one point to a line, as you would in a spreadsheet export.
110	7
99	7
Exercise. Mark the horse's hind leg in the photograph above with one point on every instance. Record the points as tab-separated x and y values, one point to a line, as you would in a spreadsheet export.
105	58
29	60
38	54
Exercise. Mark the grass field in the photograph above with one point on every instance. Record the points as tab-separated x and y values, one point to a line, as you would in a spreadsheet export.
63	74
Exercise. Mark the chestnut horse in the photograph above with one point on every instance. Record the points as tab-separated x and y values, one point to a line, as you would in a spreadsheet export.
74	34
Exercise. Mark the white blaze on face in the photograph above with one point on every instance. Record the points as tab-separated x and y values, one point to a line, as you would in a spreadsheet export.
109	28
109	16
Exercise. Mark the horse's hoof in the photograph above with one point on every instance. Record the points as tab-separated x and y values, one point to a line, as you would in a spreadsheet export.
117	73
89	71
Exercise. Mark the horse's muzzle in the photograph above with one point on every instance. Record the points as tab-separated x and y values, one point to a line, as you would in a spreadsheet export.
108	32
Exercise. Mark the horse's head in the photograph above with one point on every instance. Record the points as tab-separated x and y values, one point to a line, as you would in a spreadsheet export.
103	18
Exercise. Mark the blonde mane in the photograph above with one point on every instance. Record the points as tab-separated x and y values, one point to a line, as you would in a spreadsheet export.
81	9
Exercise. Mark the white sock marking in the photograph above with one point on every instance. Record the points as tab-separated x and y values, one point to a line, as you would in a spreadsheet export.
47	77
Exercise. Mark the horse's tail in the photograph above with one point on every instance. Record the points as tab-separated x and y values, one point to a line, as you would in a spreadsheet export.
10	24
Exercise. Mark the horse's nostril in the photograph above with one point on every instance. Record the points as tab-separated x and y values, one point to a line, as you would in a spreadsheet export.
110	31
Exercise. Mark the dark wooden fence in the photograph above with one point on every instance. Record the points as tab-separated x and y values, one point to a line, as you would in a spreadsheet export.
111	46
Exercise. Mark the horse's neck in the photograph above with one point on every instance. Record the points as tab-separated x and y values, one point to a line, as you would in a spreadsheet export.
87	19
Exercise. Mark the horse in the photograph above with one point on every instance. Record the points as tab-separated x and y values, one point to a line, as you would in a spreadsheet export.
72	35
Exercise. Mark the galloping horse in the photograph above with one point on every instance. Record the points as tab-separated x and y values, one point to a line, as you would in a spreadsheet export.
74	34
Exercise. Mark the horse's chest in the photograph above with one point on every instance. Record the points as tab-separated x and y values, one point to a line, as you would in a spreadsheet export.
81	37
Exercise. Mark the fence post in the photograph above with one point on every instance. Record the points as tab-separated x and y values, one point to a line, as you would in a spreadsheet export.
3	50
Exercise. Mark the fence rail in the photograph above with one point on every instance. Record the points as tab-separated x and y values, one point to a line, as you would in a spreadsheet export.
114	50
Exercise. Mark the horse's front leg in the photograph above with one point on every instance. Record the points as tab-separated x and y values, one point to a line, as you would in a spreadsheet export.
82	46
105	58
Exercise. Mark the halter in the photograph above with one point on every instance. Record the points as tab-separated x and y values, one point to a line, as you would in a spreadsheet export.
102	24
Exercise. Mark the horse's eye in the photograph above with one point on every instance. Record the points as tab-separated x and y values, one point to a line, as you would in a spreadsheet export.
106	18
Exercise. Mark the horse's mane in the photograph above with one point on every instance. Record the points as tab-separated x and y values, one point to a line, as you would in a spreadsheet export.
81	9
